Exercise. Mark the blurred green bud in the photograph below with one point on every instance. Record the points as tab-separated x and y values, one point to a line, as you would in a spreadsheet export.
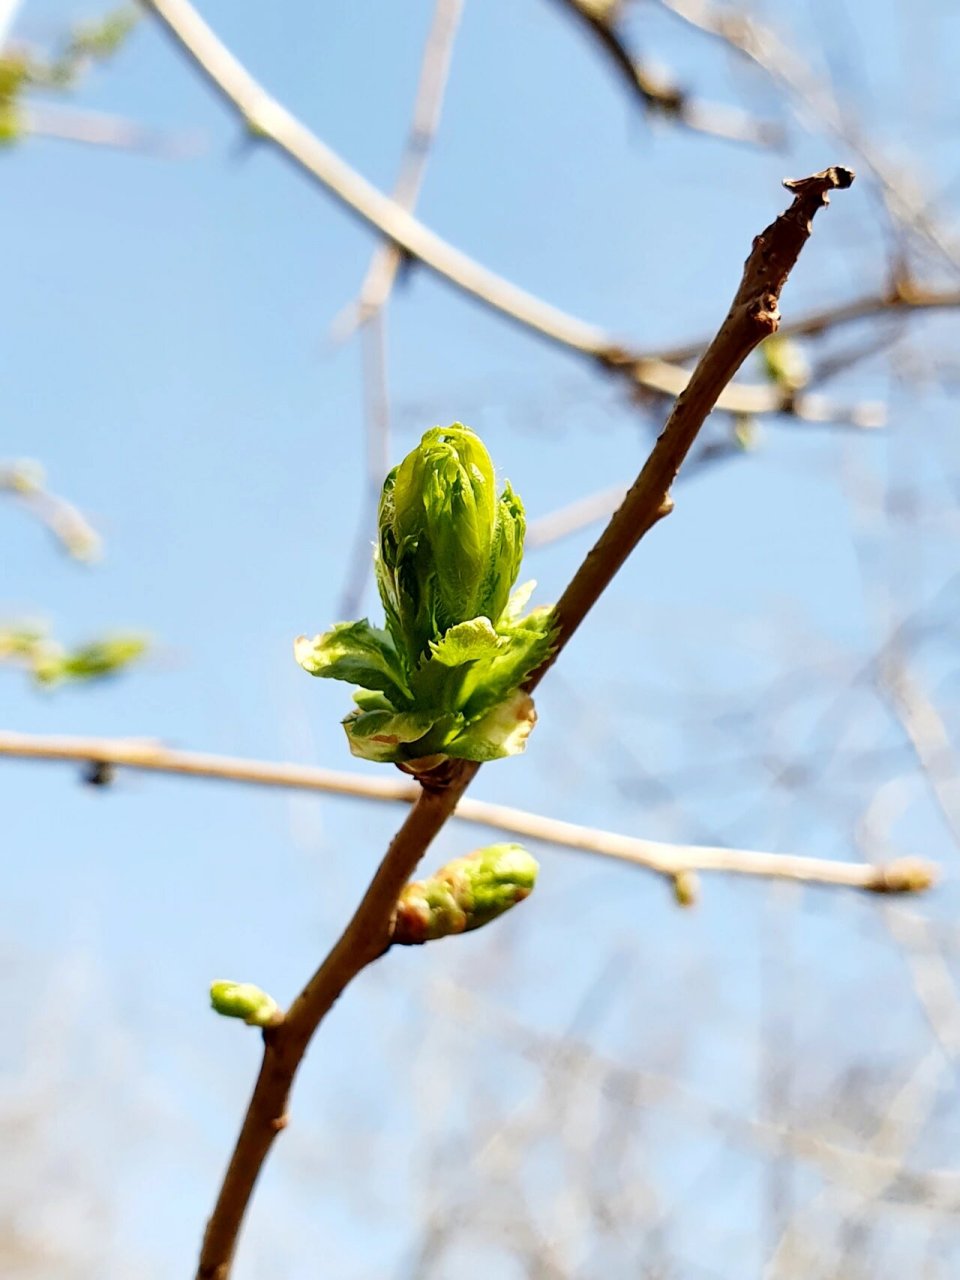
244	1000
103	657
103	37
448	549
686	888
784	363
465	894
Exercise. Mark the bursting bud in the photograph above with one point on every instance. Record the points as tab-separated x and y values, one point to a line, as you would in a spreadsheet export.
465	894
445	679
244	1000
449	548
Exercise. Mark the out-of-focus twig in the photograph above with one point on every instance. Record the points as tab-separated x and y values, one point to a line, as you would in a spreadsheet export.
901	298
903	875
388	257
927	734
25	481
660	95
100	129
271	122
904	199
367	313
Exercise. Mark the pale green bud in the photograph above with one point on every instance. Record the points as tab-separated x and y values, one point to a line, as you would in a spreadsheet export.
448	550
784	363
465	894
244	1000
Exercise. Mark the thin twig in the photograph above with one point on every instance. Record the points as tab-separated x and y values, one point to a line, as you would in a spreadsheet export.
25	482
102	129
670	860
373	341
387	258
753	315
784	66
660	95
368	312
271	122
903	297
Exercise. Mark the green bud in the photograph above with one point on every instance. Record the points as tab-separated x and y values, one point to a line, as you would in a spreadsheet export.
448	549
243	1000
465	894
784	363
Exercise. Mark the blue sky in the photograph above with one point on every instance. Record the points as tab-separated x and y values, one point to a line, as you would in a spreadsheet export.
166	357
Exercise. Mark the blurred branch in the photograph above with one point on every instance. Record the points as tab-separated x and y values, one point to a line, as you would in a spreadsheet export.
762	46
367	312
936	1189
928	737
269	121
99	129
657	93
388	257
903	875
25	481
582	512
903	297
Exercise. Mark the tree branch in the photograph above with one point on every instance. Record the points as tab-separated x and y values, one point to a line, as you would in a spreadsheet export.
387	258
660	95
271	122
669	860
752	316
25	482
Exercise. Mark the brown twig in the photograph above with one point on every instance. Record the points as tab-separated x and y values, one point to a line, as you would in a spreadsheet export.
752	316
669	860
270	122
903	297
660	95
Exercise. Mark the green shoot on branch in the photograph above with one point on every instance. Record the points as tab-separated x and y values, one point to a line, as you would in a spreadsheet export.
444	678
465	894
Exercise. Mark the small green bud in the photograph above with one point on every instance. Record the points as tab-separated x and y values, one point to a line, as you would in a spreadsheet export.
102	657
244	1000
448	549
465	894
784	363
686	888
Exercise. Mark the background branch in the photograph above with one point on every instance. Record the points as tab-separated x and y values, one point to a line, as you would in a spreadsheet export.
658	94
271	122
670	860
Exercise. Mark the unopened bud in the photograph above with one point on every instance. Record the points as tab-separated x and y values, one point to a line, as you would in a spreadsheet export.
465	894
244	1000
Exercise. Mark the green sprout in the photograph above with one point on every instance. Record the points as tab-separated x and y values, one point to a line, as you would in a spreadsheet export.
465	894
444	679
244	1000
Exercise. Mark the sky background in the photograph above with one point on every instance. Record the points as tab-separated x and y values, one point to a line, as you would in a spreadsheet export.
166	355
